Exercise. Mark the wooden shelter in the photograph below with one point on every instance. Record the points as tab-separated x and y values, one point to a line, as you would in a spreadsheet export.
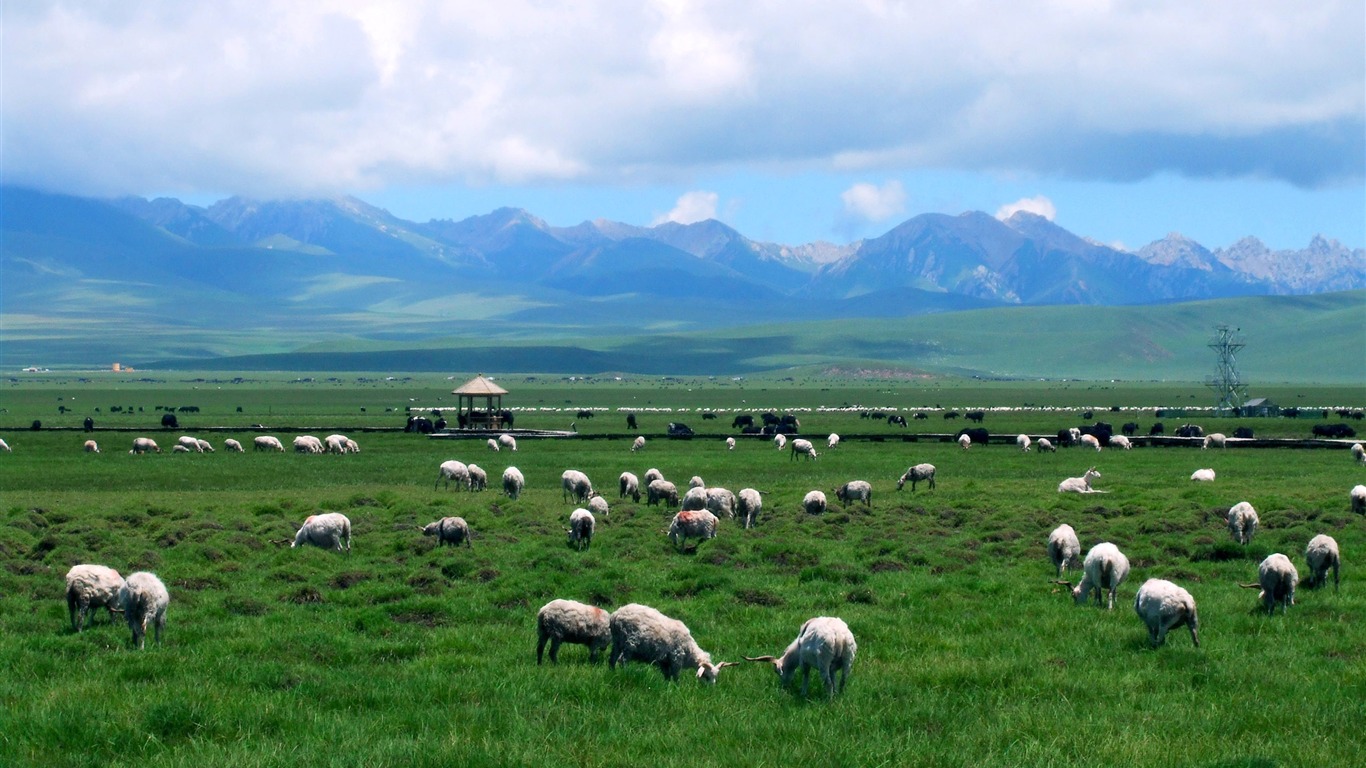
482	390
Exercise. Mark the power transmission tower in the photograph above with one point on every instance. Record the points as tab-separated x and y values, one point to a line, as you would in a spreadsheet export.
1226	383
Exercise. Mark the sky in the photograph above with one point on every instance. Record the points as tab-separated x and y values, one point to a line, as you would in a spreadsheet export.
792	121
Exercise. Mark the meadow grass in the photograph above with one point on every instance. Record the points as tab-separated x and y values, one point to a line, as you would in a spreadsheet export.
403	653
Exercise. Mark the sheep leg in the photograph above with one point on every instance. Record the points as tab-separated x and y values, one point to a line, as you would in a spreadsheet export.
555	650
806	678
540	648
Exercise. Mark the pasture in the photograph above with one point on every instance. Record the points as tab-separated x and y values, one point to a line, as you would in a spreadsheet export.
405	653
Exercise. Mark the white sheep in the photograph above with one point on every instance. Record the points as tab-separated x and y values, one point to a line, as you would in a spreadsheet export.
1164	606
581	525
89	587
964	441
748	505
641	633
780	441
569	621
335	444
453	470
308	444
1080	484
479	479
1359	453
204	446
1358	497
1073	435
1216	439
1277	579
659	490
1022	442
1242	522
1104	569
598	506
1120	441
4	446
192	443
575	484
143	600
1203	475
233	446
91	446
143	445
721	502
493	445
329	530
814	503
178	448
267	443
352	446
628	485
855	490
638	443
695	498
696	482
651	475
824	644
507	441
1046	446
730	443
832	442
916	474
1091	441
513	482
449	530
1063	548
1320	555
803	447
697	523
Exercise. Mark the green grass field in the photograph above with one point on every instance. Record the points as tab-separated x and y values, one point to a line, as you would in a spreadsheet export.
402	653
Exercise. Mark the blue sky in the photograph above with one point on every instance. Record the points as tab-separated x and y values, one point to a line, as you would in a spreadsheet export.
791	121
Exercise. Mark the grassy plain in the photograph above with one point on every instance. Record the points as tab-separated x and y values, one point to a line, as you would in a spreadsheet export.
402	653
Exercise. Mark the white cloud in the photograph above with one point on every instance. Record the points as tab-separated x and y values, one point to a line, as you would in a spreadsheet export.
871	203
1037	205
691	208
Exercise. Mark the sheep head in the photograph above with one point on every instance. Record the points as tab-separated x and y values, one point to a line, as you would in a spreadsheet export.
707	672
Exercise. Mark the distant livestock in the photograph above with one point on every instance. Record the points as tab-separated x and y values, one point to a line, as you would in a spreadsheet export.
1080	484
452	531
1320	555
267	443
916	474
1203	475
855	490
697	523
513	482
329	530
804	448
144	445
1063	548
91	446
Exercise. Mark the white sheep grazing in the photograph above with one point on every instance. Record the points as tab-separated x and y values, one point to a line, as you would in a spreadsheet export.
1242	522
335	444
641	633
1320	555
192	443
143	600
479	479
916	474
178	448
598	506
507	441
1358	496
581	525
308	444
651	475
1080	484
449	530
1046	446
204	446
1203	475
1104	569
1022	442
638	443
513	482
1216	439
1164	606
855	490
1359	453
233	446
721	502
330	530
748	505
628	485
91	446
1120	441
89	587
780	441
267	443
1063	548
4	446
696	482
730	443
964	442
453	470
1277	578
569	621
697	523
695	498
144	445
659	490
352	446
493	445
803	447
1091	441
575	484
832	442
814	503
823	644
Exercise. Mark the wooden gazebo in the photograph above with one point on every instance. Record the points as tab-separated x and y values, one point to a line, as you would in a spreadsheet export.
489	415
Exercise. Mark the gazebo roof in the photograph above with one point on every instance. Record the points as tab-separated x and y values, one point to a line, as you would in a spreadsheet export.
479	386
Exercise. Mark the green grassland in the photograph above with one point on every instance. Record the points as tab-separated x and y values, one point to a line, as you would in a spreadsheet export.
402	653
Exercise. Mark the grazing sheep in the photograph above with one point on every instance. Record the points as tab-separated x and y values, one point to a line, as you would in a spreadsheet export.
598	506
1091	441
629	485
1320	555
695	498
814	503
513	482
143	600
916	474
1063	548
575	484
1022	442
453	470
1046	446
507	441
204	446
91	446
267	443
832	442
143	445
1120	441
730	443
1277	578
824	644
698	523
1358	496
780	441
1104	568
329	530
479	479
1163	606
721	502
233	446
1359	453
804	447
449	530
1080	484
1203	475
696	482
307	444
192	443
661	489
493	445
748	505
1242	522
964	442
89	587
1216	439
336	444
638	443
855	490
581	525
652	475
178	448
568	621
641	633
